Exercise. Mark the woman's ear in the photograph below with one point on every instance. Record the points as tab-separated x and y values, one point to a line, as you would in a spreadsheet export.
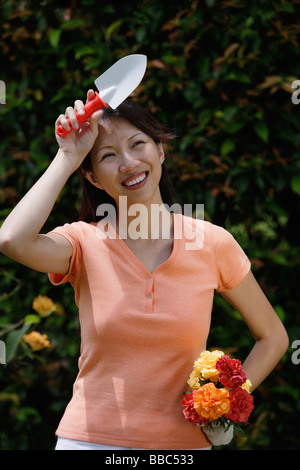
89	175
161	152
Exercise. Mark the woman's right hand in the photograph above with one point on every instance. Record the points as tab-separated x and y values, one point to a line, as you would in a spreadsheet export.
79	142
20	237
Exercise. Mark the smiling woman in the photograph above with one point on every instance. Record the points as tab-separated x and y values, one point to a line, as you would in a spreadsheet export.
144	304
143	128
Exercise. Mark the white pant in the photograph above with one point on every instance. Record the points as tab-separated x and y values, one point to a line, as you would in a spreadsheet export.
70	444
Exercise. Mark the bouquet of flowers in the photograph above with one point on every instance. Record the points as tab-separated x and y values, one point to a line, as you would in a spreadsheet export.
220	394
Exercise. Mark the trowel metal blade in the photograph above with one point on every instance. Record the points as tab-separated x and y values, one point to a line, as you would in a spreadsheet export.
121	79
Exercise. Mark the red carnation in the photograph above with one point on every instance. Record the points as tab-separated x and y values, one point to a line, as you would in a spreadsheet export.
231	373
189	411
241	405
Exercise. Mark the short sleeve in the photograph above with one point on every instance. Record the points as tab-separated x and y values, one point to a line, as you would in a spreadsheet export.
68	231
232	264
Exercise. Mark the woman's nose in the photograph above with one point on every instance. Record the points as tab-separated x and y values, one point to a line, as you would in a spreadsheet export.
128	163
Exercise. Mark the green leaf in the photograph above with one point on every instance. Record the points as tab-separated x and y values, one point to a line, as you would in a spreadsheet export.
262	130
238	428
84	51
13	339
28	413
227	146
112	28
287	7
295	184
239	76
30	319
73	24
54	37
280	312
234	126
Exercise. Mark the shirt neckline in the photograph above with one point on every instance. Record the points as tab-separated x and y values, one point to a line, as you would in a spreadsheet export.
139	263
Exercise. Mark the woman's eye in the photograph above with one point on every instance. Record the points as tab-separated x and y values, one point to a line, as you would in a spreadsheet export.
107	155
138	142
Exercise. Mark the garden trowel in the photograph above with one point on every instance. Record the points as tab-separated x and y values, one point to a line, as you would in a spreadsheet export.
114	86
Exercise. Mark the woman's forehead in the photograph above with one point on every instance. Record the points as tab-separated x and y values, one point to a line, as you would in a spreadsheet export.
109	127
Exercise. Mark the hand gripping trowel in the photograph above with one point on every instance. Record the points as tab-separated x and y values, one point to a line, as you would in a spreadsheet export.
114	86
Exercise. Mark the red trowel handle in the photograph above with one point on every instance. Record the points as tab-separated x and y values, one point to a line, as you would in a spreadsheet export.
90	107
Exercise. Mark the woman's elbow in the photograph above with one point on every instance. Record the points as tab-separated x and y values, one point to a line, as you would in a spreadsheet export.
283	340
5	242
9	245
280	340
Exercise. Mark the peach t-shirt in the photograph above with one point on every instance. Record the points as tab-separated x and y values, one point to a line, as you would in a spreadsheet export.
141	332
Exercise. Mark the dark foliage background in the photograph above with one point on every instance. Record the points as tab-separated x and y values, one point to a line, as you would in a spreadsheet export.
220	73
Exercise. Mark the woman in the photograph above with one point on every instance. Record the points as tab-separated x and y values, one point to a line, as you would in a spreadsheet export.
144	301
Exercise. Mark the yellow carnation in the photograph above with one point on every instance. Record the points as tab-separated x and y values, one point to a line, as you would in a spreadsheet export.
247	385
43	305
36	340
193	381
205	365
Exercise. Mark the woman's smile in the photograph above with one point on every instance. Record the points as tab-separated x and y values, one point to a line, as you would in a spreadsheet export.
136	181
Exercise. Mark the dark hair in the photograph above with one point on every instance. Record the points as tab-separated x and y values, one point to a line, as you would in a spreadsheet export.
130	110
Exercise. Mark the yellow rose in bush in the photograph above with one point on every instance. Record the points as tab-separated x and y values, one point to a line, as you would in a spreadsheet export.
36	340
43	305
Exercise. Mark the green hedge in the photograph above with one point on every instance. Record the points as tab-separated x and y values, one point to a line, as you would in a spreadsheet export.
220	73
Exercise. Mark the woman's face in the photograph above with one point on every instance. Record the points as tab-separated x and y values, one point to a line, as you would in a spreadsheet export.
126	162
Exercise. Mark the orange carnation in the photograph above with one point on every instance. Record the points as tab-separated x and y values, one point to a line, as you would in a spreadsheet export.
211	402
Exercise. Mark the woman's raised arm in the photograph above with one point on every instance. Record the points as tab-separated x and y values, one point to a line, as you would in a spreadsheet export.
20	237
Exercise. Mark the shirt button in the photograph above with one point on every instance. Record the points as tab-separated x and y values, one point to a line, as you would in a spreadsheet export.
149	296
150	279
